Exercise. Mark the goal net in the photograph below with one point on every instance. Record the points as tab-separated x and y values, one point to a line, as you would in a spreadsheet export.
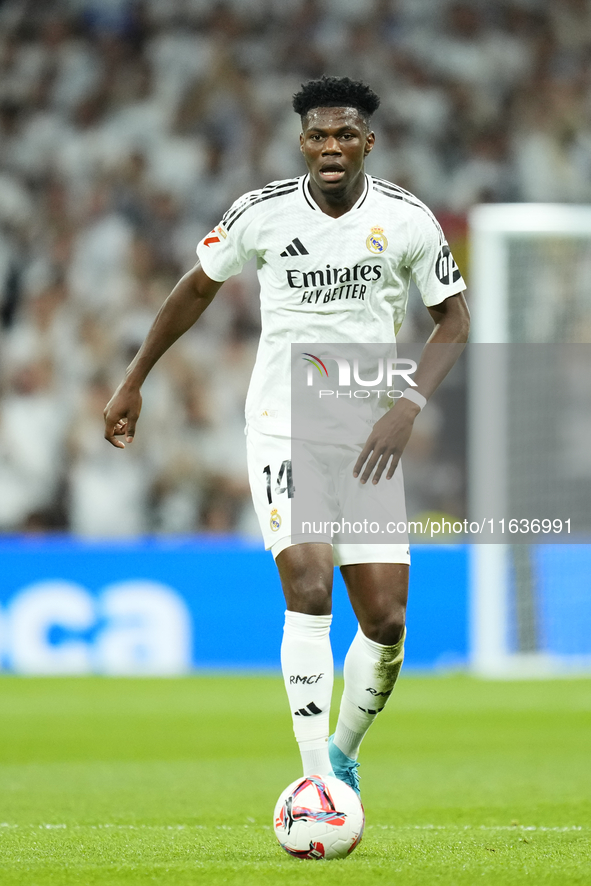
530	439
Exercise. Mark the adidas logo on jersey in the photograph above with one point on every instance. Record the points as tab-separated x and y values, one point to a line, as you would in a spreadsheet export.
296	247
308	711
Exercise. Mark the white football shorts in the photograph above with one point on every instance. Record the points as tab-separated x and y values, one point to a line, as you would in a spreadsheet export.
305	492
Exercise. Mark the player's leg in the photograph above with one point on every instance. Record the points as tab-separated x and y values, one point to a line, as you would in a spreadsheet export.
378	594
306	572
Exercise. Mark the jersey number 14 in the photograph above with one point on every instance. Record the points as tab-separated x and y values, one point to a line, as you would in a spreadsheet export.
284	471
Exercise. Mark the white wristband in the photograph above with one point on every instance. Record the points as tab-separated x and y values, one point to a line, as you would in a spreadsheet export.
415	397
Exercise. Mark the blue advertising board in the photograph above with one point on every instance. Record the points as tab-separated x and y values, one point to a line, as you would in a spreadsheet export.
170	606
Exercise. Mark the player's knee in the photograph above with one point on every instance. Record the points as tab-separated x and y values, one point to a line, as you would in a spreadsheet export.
306	578
386	629
312	597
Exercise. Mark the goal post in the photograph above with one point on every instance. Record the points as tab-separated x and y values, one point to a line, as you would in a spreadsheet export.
529	391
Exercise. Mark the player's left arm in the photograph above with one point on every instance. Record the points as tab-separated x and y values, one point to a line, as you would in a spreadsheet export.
391	433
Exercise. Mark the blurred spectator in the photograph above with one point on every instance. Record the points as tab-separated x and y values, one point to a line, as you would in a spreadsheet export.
127	129
108	496
33	425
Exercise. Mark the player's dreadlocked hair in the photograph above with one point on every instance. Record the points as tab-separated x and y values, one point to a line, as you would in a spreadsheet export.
336	92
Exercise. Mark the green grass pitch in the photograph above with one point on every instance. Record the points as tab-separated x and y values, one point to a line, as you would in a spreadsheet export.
173	781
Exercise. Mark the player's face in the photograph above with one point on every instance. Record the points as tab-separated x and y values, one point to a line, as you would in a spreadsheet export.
335	143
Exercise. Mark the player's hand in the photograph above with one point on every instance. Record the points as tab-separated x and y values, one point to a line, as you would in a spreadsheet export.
121	415
386	442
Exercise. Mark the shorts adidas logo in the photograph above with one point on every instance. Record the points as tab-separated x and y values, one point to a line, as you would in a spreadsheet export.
308	711
296	247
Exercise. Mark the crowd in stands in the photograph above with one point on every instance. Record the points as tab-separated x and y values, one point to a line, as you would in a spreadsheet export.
128	128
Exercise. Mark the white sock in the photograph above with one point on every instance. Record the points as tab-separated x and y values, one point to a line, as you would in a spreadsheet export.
370	672
306	662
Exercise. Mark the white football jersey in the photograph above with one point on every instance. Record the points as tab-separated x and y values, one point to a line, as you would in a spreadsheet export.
326	280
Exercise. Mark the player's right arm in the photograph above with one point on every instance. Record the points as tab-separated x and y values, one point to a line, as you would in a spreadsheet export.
185	304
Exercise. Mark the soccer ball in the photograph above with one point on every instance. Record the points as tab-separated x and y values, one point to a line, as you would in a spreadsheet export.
319	817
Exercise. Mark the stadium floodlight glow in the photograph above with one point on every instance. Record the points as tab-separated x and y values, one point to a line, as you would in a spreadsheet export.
529	283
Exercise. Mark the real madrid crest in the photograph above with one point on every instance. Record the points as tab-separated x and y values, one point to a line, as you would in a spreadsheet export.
275	520
376	242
